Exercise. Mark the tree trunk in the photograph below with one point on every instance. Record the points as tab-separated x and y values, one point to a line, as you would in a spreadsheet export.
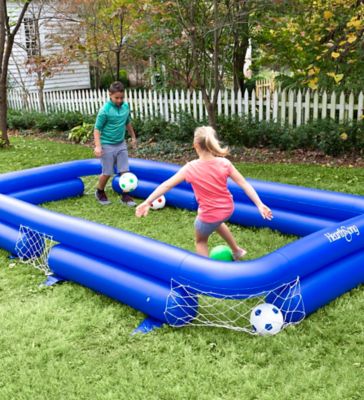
3	113
6	45
40	85
121	34
95	71
97	75
41	99
241	45
211	111
117	65
97	56
240	49
212	103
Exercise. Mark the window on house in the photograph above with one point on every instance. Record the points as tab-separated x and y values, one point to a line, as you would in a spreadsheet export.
31	37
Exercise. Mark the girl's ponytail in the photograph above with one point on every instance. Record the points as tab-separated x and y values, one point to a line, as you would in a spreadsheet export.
207	139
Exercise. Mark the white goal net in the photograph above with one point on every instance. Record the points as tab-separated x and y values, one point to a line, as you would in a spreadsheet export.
264	313
32	247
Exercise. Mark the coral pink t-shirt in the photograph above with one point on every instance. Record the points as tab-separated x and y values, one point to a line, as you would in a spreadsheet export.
209	182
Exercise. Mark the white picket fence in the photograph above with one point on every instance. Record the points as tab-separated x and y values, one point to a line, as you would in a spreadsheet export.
292	107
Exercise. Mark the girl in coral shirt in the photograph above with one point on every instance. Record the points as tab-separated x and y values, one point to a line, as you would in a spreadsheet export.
208	176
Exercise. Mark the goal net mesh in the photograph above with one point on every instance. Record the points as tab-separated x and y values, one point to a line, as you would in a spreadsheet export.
188	305
32	247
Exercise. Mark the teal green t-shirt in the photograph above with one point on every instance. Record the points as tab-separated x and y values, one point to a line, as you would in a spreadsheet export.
111	122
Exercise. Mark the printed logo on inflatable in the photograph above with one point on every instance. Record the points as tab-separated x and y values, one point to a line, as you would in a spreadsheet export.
344	232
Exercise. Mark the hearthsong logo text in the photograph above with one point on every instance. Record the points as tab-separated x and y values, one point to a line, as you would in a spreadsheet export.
344	232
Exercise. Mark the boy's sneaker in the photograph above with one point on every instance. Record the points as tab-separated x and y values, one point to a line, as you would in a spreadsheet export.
101	197
238	255
127	200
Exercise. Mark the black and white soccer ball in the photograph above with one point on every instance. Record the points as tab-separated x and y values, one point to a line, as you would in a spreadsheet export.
266	319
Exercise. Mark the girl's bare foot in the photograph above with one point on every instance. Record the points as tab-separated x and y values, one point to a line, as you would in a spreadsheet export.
238	255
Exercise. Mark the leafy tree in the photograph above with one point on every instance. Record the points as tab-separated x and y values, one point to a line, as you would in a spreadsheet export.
198	38
113	33
204	43
320	42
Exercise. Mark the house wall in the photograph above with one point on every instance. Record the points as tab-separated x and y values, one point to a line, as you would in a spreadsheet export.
75	75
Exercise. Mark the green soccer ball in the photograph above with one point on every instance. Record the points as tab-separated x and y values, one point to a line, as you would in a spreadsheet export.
222	253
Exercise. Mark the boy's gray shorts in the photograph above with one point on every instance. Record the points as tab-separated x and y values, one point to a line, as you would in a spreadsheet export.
114	155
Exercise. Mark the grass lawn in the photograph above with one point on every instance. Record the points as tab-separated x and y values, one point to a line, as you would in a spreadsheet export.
68	342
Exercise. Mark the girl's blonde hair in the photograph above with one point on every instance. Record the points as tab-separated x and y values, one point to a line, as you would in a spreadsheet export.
206	137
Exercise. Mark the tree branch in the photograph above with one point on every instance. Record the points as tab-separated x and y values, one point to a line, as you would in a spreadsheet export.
20	18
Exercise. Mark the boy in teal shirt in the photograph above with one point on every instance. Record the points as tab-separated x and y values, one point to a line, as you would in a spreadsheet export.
110	145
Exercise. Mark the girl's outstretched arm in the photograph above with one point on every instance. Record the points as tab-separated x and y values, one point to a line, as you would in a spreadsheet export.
236	176
143	208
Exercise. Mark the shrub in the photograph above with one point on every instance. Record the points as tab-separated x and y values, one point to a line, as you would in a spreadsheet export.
309	136
3	143
232	131
59	121
324	135
153	128
21	120
356	133
185	127
330	137
81	133
242	131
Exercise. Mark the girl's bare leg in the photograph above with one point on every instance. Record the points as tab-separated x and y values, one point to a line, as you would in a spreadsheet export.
225	233
201	244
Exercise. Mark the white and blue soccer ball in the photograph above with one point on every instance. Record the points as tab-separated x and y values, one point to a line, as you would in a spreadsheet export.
128	182
266	319
159	203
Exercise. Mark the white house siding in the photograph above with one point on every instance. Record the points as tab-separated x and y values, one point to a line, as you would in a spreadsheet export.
75	75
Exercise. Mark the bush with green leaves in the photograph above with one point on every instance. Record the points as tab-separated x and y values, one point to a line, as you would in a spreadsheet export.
330	137
158	129
21	119
81	134
43	122
240	131
3	143
185	127
60	121
155	129
326	135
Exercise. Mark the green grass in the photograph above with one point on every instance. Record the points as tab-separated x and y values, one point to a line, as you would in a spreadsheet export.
68	342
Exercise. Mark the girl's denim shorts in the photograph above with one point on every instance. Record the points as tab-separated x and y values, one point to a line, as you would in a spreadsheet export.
206	228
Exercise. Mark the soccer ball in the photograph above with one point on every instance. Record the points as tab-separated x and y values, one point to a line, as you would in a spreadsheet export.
266	319
159	203
221	253
128	182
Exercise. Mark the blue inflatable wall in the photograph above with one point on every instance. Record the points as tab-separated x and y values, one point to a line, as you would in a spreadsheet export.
328	258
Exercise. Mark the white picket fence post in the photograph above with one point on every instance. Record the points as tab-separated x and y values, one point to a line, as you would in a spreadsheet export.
246	103
239	99
360	106
292	107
